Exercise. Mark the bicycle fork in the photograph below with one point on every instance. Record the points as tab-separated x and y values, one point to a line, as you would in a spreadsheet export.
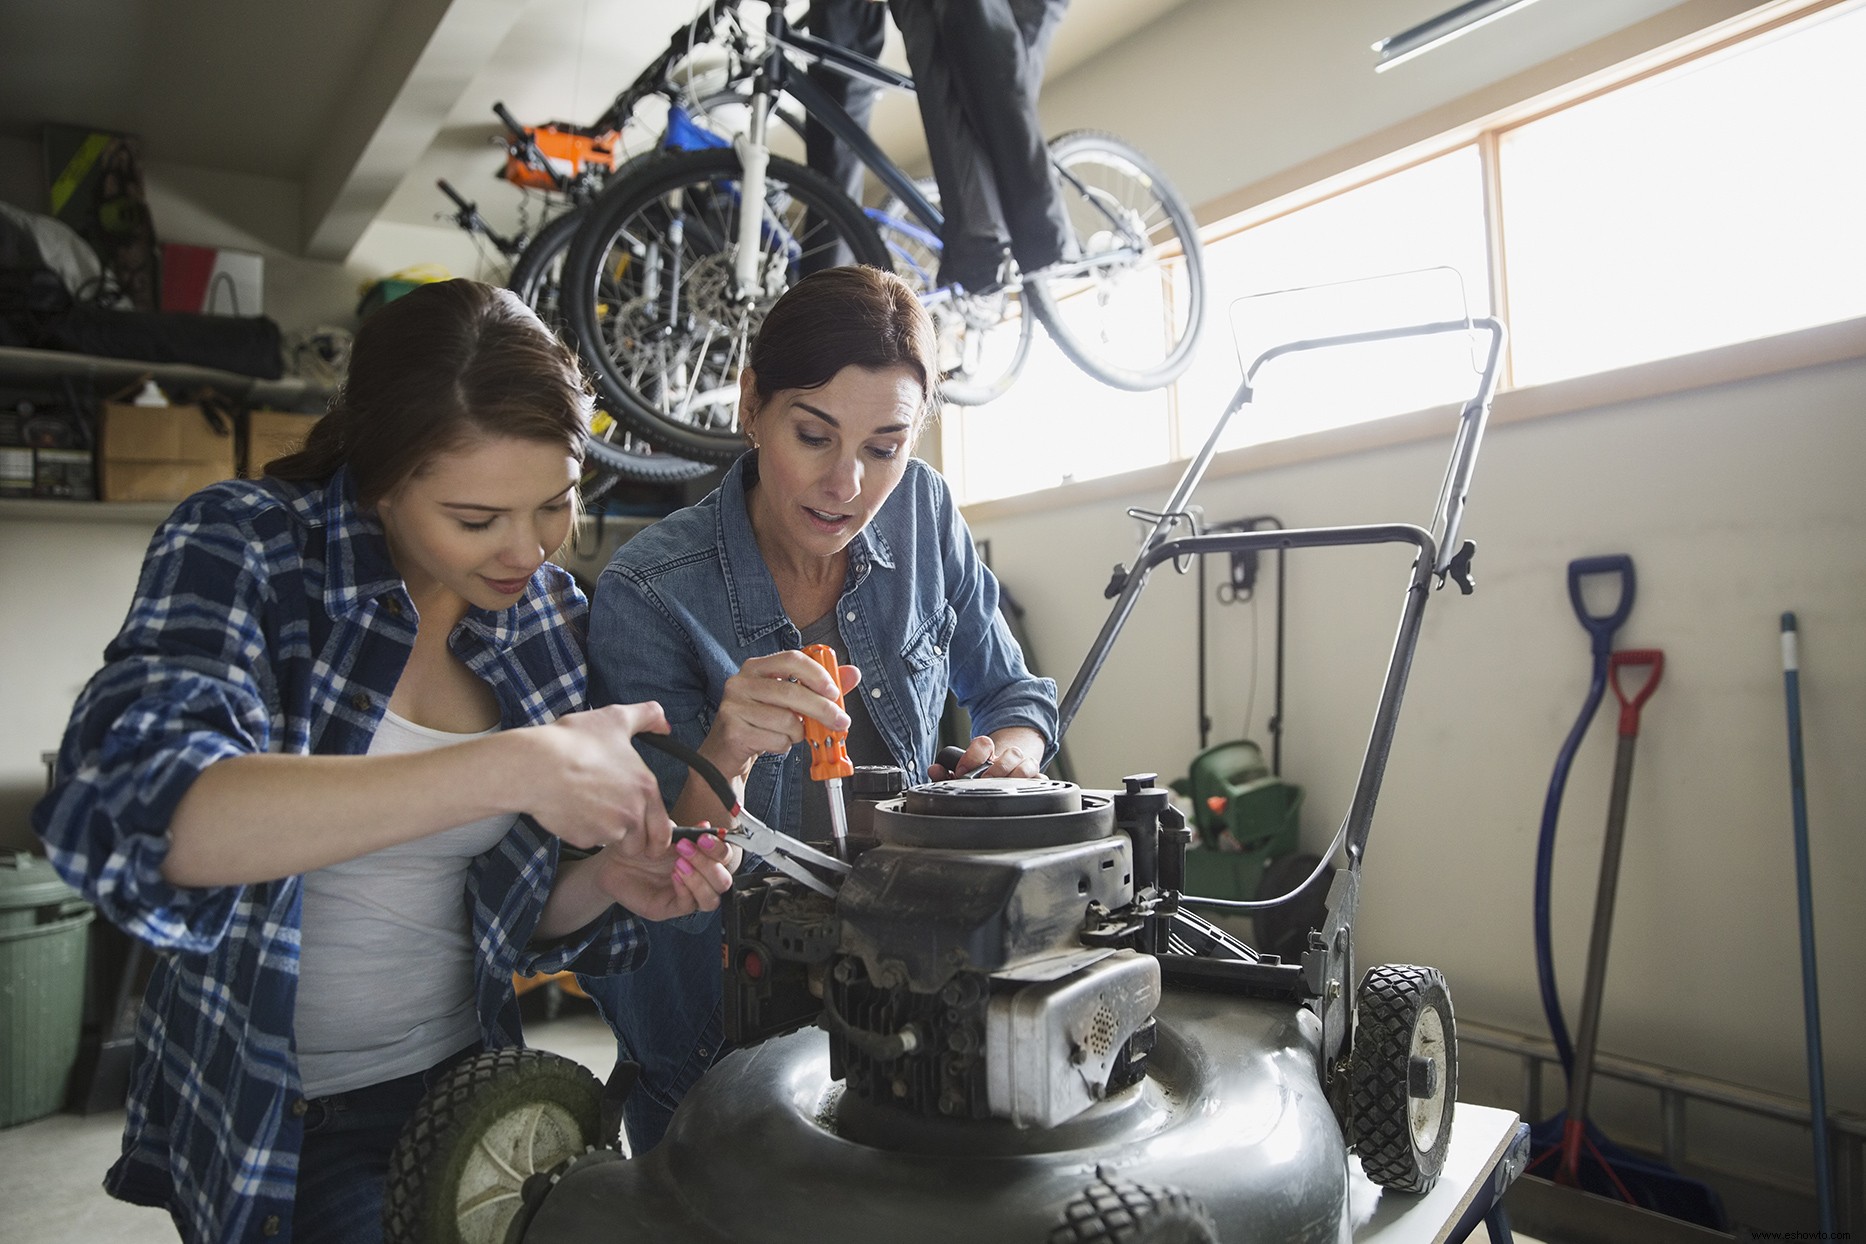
754	158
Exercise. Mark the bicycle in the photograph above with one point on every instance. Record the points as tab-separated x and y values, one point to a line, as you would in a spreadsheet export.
667	281
570	164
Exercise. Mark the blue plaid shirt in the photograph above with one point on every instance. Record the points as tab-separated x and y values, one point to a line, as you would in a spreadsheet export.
269	617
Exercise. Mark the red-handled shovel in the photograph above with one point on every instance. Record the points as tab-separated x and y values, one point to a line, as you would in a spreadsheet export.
1574	1128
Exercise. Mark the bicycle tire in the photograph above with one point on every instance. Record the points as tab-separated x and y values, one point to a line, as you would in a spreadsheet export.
1115	196
674	377
612	456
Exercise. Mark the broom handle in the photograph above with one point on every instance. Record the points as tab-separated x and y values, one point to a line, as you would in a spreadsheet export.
1810	987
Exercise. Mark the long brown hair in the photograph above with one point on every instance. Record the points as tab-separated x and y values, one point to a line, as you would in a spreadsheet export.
844	317
443	365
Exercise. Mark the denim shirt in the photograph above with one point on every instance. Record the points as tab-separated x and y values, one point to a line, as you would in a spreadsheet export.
687	602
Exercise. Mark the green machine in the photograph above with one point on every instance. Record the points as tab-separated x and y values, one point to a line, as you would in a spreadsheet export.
1246	818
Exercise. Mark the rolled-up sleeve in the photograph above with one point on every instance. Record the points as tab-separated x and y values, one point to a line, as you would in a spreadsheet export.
989	675
184	684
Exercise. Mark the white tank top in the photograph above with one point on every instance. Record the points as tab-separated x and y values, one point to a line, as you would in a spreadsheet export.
385	961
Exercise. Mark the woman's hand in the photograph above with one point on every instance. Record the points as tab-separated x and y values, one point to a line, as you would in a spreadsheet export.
593	789
764	706
686	877
1014	751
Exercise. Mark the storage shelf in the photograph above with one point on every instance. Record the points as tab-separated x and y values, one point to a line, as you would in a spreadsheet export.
144	513
290	392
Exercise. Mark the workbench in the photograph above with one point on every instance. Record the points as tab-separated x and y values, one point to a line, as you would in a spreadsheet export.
1489	1149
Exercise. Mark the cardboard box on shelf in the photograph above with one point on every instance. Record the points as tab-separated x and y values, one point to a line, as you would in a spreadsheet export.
272	434
160	453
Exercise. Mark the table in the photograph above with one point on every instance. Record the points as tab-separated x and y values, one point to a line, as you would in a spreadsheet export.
1489	1148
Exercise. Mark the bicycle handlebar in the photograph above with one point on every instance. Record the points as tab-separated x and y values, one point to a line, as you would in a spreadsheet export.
528	146
468	218
466	209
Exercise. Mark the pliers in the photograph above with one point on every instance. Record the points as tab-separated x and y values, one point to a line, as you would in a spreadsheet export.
816	869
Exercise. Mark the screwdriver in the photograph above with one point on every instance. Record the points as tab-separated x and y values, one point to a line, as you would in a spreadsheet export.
829	753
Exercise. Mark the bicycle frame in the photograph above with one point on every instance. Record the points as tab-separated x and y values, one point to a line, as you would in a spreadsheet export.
782	68
778	73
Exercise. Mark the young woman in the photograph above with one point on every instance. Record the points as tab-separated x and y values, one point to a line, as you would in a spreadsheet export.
327	766
827	531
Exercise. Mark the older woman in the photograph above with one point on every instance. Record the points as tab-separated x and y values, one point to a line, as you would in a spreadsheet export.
826	531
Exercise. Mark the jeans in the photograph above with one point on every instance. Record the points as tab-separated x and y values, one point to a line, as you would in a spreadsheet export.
344	1166
668	1017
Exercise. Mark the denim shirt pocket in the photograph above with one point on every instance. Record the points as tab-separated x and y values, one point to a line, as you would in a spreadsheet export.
928	658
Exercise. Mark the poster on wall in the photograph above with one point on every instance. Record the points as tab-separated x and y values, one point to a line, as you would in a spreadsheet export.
96	178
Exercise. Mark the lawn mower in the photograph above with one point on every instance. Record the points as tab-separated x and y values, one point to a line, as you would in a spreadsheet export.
1001	1018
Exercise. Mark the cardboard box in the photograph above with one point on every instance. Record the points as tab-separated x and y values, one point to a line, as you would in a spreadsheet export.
160	453
272	434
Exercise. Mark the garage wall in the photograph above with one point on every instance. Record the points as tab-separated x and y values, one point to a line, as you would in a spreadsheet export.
67	587
1736	502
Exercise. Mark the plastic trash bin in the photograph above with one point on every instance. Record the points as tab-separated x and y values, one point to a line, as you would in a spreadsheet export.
43	945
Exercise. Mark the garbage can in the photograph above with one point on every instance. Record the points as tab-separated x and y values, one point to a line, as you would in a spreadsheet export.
42	954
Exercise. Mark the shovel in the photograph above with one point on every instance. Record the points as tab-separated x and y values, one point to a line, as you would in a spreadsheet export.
1574	1127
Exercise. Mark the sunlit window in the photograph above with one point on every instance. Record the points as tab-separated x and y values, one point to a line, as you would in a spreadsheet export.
1717	203
1427	216
1056	425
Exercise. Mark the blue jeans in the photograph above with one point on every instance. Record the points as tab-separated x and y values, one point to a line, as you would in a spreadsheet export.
668	1016
344	1166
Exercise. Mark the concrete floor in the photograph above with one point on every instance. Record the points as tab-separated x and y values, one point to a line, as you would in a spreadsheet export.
51	1168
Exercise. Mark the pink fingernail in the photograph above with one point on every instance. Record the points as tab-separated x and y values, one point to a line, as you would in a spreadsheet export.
682	867
684	846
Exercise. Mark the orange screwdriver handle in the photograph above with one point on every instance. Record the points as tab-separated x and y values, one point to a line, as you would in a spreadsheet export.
829	755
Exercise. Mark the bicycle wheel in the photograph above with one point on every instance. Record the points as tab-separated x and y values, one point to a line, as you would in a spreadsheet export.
1130	313
983	339
613	454
648	287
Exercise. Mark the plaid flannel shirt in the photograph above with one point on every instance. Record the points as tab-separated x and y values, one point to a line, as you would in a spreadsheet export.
269	617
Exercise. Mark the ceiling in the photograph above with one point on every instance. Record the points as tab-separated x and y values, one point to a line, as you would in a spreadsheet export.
357	106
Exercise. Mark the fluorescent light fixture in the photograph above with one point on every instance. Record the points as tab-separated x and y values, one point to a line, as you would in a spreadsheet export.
1445	27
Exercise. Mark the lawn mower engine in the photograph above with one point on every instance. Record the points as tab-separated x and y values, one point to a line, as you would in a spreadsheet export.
987	957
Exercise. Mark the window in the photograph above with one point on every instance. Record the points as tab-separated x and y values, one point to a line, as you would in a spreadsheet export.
1055	426
1715	202
1427	216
